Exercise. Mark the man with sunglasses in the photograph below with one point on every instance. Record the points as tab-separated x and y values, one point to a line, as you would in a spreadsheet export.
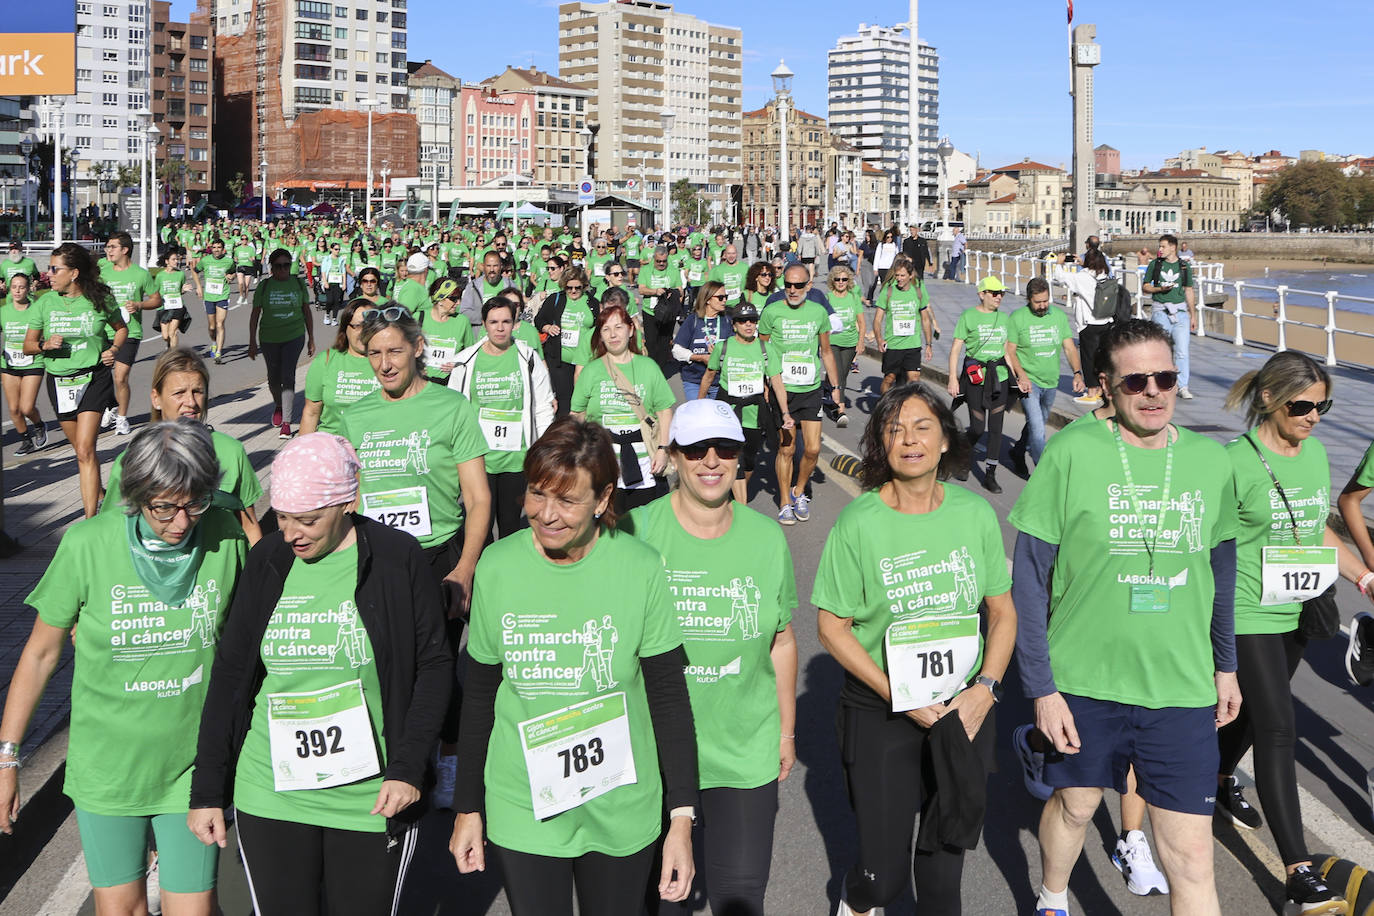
797	329
1128	546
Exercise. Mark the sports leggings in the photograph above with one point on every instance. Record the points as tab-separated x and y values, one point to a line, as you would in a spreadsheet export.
605	885
507	502
983	409
1265	663
733	845
281	372
885	758
301	870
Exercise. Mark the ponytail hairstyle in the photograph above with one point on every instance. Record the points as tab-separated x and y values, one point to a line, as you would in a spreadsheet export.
1283	377
88	283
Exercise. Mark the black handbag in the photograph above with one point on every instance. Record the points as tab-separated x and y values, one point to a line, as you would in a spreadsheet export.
1320	618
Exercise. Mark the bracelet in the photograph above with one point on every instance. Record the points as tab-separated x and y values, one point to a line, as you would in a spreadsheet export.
790	737
1364	584
9	749
9	764
1078	372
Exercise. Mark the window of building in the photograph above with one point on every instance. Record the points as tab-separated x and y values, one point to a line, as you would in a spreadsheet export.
235	18
199	43
340	75
177	84
84	75
398	39
198	133
198	109
312	72
338	96
360	77
340	12
109	11
131	145
381	78
360	15
83	120
109	33
81	142
313	31
109	54
110	78
136	12
199	65
311	52
364	37
109	99
360	56
199	155
340	34
309	95
382	57
83	8
398	79
312	9
381	15
199	87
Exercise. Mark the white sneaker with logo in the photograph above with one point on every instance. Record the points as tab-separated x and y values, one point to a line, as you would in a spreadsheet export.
108	417
1133	859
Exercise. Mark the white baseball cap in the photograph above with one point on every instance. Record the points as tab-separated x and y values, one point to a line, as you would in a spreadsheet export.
417	264
703	421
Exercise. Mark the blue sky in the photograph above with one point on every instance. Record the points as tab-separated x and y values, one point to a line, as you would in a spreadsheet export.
1250	76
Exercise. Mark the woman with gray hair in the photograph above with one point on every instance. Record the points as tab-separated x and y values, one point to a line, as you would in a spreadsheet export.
149	587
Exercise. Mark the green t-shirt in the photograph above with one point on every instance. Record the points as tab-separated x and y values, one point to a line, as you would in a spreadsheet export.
595	394
880	566
81	326
795	334
902	315
23	266
733	276
1364	472
632	245
216	274
169	284
1078	499
337	380
281	302
985	334
578	324
1262	521
444	340
695	269
141	667
239	477
14	322
414	295
498	394
410	451
1166	273
1039	342
314	640
245	255
132	284
597	263
849	307
744	371
732	594
562	638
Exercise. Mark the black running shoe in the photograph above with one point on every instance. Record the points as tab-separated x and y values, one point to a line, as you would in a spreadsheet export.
26	446
1231	801
1308	895
1359	655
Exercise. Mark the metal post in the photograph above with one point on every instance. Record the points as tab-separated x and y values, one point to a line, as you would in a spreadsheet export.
1331	328
667	177
1240	313
370	104
56	171
262	190
1281	318
913	119
783	203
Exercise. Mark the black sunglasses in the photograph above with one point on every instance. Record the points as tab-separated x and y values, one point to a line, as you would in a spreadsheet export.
725	451
1303	408
574	287
801	285
276	264
1136	382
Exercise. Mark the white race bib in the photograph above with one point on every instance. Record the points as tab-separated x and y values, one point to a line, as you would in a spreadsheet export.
18	359
321	739
745	387
334	278
569	336
929	659
406	509
903	327
439	357
576	753
69	390
171	303
1290	574
214	287
503	429
798	371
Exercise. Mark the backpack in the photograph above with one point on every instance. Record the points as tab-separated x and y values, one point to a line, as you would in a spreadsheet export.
1185	277
1111	300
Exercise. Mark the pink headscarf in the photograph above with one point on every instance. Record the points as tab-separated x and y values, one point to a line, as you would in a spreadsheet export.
314	471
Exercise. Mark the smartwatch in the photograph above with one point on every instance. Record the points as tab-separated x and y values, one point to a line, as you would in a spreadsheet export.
994	686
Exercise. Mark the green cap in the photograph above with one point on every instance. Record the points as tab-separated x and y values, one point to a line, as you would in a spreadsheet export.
991	285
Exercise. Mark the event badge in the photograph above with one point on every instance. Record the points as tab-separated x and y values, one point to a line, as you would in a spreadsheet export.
1149	598
929	659
745	386
69	389
1289	574
214	287
577	753
406	509
569	336
321	739
798	371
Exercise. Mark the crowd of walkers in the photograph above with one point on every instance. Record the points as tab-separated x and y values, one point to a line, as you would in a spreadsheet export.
491	462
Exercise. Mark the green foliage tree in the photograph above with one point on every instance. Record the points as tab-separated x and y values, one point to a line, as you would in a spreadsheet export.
685	198
235	187
1316	194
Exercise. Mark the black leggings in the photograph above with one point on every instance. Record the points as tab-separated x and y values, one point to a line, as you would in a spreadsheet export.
1089	339
442	559
561	380
281	359
733	844
507	502
886	759
1265	663
605	885
302	870
333	299
992	410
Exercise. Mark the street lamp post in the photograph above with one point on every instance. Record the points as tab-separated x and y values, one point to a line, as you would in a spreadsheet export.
145	120
903	186
945	150
386	171
584	136
369	104
54	107
515	183
262	188
667	117
782	86
26	150
150	253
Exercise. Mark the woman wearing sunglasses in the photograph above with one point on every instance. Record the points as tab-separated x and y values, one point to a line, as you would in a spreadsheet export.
369	285
738	560
565	319
281	315
445	335
848	306
758	285
341	375
983	378
147	591
1283	487
701	330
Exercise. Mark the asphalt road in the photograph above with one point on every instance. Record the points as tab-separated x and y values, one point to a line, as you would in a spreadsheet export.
815	833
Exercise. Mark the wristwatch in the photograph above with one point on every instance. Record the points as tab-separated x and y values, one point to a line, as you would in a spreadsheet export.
993	686
684	811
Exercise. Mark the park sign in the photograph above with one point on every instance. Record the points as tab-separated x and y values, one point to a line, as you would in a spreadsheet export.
38	49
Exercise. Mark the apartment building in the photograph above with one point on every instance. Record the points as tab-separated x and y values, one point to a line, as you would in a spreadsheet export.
101	122
560	114
808	142
1209	202
183	105
432	94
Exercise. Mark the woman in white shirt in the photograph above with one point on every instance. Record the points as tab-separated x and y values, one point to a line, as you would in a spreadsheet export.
883	257
1082	285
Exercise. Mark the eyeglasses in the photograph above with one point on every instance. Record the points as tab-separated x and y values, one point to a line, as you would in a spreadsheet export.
575	287
746	321
615	273
391	313
165	512
1136	382
1303	408
802	285
725	451
368	280
995	292
841	279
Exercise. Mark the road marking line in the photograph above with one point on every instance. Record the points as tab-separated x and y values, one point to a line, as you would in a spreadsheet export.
71	892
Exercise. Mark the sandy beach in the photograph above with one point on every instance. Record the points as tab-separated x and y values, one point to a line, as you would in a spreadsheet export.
1246	269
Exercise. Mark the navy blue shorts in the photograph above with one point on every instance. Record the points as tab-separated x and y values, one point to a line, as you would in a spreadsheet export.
1174	752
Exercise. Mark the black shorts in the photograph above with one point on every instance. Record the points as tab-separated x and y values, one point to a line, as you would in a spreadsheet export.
219	304
632	263
98	395
180	316
753	441
895	361
128	353
22	373
805	406
250	270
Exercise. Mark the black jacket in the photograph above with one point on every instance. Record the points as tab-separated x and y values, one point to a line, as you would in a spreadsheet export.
399	603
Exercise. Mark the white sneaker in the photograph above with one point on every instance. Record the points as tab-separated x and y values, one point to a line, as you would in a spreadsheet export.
1185	394
844	909
108	417
122	426
446	780
1132	858
154	889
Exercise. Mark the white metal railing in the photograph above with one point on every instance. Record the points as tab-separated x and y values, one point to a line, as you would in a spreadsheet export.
1015	269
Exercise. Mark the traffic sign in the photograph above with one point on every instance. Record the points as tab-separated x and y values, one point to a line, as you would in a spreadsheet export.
631	184
586	195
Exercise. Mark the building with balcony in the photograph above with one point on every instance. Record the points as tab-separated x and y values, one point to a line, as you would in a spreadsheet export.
432	94
808	142
560	113
183	106
1209	201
